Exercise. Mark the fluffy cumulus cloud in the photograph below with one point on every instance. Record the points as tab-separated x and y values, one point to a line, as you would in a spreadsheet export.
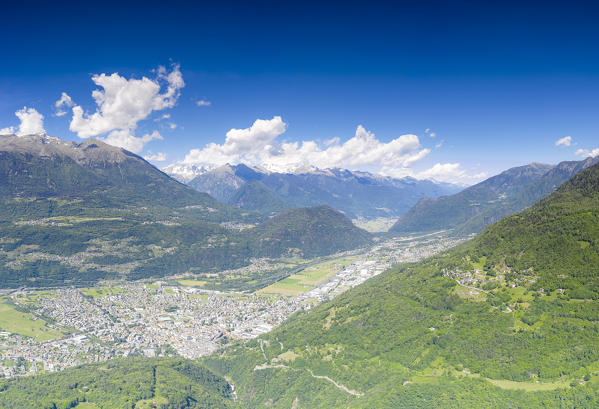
241	145
429	133
203	103
122	103
32	122
126	140
586	153
64	102
258	145
450	172
565	141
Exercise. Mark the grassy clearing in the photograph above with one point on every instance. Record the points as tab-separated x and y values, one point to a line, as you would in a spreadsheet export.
79	219
87	405
470	294
480	264
439	369
288	356
25	324
156	402
33	298
529	386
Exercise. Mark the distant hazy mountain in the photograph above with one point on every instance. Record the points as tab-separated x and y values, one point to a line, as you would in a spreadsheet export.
73	213
474	208
357	194
222	182
254	195
184	173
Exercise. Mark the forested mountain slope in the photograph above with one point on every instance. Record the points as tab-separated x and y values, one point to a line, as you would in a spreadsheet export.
531	194
506	320
124	383
315	231
77	213
471	210
448	212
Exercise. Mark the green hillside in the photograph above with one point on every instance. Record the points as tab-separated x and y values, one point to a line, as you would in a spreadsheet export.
509	319
448	212
77	213
506	320
478	206
314	231
131	383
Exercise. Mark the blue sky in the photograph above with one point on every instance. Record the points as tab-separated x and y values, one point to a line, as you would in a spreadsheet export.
497	85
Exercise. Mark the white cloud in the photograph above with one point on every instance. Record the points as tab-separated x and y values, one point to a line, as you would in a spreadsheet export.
172	126
450	172
203	103
440	172
332	141
8	130
124	139
565	141
64	101
165	116
429	133
257	145
240	144
159	157
32	122
586	153
122	103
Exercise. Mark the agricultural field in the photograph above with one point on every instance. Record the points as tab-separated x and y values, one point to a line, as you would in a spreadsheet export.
25	324
308	278
192	283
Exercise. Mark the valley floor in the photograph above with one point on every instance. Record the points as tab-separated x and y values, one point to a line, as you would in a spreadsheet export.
191	315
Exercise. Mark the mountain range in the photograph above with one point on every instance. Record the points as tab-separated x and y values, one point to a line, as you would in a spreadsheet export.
474	208
75	213
508	319
356	194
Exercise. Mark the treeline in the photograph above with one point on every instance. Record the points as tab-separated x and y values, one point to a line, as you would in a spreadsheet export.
124	383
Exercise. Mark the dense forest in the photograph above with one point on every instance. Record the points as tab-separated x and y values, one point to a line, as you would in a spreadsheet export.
73	214
125	383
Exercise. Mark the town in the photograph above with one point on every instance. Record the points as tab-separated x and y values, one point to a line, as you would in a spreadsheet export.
65	327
